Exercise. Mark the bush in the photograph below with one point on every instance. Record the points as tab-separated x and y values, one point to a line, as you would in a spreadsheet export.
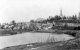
5	32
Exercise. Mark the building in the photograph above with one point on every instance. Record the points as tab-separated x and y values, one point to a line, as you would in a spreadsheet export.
61	14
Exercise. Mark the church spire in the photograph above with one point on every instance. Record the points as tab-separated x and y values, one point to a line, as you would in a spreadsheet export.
61	13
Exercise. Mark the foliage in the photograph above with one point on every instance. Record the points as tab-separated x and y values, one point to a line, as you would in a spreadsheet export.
57	17
13	22
74	17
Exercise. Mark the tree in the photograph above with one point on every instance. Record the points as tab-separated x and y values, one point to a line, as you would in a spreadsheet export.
32	21
64	17
32	25
57	17
13	22
74	17
50	19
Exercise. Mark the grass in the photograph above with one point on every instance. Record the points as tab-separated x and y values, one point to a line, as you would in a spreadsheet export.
71	45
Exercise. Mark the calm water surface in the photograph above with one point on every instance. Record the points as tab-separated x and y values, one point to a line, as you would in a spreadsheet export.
26	38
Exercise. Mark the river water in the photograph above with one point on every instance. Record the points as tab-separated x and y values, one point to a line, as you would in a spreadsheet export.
26	38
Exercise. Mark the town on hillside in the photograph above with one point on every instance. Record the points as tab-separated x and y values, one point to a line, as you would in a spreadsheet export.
57	23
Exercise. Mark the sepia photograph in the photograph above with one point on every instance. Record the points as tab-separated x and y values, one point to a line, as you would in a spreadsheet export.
39	24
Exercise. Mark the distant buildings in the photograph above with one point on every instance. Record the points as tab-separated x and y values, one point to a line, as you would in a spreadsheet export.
40	19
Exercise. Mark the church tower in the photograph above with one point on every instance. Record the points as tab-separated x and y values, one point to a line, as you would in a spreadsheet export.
61	13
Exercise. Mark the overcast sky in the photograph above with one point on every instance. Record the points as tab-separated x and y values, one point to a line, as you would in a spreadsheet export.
25	10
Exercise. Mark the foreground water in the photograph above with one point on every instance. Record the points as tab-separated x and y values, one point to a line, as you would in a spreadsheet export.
26	38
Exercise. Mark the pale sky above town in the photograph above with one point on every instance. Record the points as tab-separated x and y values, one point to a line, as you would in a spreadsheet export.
25	10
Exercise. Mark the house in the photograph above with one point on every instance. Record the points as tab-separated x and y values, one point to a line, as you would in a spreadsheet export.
47	26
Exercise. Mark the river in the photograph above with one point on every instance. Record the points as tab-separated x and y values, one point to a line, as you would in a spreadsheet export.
28	37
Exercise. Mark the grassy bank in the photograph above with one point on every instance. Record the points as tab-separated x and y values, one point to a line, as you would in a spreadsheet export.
65	45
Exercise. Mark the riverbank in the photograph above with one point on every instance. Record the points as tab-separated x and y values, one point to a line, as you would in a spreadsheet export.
5	32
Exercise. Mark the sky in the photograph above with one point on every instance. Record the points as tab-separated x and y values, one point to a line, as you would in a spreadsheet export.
25	10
